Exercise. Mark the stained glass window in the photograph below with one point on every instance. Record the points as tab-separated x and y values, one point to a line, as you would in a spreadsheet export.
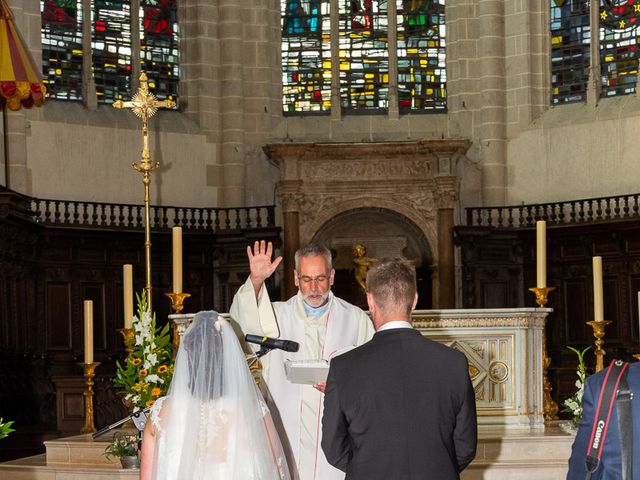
619	46
306	56
62	48
159	45
111	48
570	40
364	61
422	73
112	44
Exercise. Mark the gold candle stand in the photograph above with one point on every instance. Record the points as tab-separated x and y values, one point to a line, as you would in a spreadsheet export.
177	304
636	356
550	408
89	373
129	339
598	332
177	300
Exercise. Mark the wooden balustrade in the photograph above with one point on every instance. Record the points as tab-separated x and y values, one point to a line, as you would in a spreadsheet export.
585	210
69	213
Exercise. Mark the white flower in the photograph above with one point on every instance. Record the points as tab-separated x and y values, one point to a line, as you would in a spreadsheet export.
146	365
153	378
152	358
138	340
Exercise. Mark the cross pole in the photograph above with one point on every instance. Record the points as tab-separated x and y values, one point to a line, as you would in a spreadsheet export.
144	105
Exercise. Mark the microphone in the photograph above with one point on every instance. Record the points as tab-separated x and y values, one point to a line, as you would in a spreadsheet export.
270	343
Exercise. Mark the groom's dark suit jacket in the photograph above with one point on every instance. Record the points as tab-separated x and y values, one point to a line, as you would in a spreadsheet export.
399	407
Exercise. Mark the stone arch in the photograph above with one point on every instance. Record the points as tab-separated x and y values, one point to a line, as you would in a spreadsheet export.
383	232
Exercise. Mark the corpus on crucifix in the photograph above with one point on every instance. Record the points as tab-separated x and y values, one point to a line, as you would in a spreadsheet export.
144	105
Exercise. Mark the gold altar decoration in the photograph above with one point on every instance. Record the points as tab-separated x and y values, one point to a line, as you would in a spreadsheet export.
362	263
89	373
129	339
598	332
550	407
177	304
144	105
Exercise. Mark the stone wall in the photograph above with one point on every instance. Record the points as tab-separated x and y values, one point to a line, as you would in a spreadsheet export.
498	71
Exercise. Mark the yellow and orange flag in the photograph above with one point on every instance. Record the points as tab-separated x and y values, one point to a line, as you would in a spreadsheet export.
20	80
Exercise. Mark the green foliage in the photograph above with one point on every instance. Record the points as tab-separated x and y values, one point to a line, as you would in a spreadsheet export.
573	404
5	429
146	374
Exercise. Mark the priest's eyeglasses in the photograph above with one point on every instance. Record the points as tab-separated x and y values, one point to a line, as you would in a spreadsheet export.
308	279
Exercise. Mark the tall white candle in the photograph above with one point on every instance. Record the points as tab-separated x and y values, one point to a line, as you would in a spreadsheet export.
177	259
127	287
88	331
541	254
598	303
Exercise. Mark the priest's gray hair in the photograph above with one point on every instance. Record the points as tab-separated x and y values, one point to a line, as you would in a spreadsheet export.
313	250
392	282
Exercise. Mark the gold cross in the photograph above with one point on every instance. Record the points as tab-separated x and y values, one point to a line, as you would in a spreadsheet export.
144	105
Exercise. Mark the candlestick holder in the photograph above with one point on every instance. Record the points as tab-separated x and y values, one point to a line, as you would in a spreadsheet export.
129	339
89	373
636	356
550	407
177	300
598	332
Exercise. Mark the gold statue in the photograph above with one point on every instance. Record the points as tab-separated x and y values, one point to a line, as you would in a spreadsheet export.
362	263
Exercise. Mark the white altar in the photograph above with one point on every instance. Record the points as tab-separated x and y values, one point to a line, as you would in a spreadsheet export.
504	350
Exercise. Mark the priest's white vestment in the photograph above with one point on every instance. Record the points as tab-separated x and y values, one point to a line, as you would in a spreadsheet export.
300	407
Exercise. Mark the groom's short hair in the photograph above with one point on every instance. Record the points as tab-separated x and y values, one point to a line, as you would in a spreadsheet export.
392	283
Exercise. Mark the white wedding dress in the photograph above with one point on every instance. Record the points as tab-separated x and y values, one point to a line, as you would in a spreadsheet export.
214	423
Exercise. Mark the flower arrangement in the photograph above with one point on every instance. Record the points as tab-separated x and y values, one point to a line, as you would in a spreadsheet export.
573	404
5	429
147	371
122	446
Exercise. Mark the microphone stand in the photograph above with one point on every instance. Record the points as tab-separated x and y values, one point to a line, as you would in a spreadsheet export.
138	418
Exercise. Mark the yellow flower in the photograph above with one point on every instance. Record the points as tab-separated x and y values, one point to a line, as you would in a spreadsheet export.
162	369
136	361
143	373
156	392
149	403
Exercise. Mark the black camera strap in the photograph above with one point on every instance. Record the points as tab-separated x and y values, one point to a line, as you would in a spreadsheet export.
615	388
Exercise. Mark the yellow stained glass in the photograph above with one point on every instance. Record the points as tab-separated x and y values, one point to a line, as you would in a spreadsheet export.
326	64
429	91
556	40
345	66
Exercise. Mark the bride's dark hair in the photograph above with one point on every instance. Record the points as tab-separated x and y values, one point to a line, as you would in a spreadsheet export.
204	346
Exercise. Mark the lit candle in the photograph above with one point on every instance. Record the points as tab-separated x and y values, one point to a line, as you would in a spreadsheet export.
127	287
541	254
177	259
598	305
88	331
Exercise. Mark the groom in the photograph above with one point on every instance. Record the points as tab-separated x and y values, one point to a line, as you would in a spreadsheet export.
400	406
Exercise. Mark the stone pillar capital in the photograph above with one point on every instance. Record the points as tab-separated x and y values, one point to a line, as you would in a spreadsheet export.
290	195
446	191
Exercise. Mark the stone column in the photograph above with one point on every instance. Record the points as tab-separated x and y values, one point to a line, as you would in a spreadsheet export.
232	145
493	141
290	201
446	197
17	172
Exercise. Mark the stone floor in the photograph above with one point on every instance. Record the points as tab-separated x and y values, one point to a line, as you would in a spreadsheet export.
511	454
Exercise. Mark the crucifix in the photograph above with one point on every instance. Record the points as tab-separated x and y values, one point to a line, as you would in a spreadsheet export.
144	104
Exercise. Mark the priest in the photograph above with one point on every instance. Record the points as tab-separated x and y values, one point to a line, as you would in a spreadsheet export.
321	323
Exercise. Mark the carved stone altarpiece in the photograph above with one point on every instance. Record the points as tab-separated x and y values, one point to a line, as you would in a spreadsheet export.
415	180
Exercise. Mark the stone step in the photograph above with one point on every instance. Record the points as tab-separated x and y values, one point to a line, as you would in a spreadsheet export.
36	468
502	454
82	450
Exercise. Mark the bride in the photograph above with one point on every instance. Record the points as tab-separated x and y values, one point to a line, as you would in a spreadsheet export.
213	424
